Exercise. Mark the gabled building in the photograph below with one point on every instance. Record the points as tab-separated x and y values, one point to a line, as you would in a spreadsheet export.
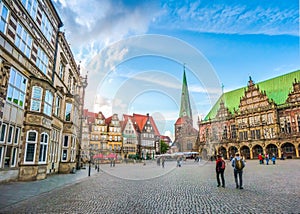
114	137
98	135
129	135
148	135
134	135
185	133
85	138
259	118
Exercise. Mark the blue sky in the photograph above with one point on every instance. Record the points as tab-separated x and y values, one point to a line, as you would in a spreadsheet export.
134	51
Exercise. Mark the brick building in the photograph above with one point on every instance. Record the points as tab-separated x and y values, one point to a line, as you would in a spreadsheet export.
185	133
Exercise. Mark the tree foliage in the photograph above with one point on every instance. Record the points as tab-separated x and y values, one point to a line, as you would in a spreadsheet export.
164	147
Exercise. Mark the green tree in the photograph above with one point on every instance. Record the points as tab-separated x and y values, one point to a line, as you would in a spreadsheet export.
164	147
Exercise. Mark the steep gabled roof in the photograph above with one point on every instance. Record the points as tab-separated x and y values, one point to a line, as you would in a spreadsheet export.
179	121
156	132
125	120
100	115
140	120
89	115
277	89
108	120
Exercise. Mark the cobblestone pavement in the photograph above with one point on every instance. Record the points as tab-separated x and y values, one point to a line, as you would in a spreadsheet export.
192	188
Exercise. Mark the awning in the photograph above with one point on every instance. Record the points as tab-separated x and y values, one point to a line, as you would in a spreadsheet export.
98	156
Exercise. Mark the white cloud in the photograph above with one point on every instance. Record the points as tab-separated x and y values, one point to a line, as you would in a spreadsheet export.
92	25
113	56
102	104
233	18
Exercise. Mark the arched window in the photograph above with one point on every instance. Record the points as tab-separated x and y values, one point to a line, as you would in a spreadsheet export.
30	148
43	148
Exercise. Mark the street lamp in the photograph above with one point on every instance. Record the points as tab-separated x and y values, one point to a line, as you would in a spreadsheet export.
89	171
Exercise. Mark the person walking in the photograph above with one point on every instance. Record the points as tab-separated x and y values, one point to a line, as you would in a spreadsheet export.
274	158
260	158
238	164
220	168
158	161
163	162
179	160
267	158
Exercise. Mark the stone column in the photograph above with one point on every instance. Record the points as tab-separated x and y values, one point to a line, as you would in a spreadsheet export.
4	77
251	153
297	151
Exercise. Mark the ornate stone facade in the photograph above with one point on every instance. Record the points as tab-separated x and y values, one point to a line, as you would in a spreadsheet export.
265	119
40	95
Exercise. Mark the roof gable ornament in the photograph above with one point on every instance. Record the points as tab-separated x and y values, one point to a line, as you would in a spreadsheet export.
294	95
223	112
250	82
253	98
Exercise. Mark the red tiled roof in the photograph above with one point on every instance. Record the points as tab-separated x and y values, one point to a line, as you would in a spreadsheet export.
108	120
156	132
89	115
179	121
166	139
140	120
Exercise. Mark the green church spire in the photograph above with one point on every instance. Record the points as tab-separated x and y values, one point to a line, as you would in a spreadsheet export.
185	107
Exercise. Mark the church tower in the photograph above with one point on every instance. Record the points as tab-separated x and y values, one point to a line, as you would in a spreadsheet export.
185	107
185	133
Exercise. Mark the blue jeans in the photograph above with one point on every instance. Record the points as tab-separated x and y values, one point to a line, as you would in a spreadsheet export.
238	173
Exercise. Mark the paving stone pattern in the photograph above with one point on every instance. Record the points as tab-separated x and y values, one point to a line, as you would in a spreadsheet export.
191	188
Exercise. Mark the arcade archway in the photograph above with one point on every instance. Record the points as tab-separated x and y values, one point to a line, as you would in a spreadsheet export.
232	150
245	151
272	149
289	150
257	149
222	151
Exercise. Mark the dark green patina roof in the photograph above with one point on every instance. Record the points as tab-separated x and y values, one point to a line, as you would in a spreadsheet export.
185	107
276	89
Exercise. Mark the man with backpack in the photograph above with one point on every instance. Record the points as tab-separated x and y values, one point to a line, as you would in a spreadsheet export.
220	168
238	164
